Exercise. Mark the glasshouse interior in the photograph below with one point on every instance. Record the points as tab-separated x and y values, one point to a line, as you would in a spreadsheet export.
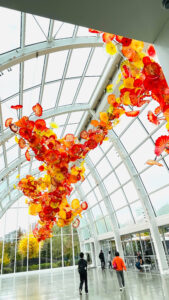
84	145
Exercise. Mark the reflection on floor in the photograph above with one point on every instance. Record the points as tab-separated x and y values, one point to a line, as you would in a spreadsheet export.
64	284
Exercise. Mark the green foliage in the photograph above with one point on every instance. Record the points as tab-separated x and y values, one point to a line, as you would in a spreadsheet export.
21	268
45	266
7	270
57	264
33	267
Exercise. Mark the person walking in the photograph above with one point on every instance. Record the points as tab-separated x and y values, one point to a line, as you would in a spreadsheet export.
102	260
119	266
109	260
82	268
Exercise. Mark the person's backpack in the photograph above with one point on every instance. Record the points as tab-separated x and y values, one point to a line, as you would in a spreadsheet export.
114	266
82	266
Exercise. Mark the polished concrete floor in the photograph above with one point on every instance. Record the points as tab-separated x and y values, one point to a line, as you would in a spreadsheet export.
64	284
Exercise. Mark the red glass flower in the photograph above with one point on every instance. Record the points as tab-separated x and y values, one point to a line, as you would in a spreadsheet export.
40	124
132	113
22	143
37	110
161	143
84	205
16	106
152	118
8	122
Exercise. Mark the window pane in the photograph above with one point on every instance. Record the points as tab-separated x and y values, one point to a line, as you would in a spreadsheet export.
96	212
113	157
10	29
76	247
32	27
56	65
33	72
133	136
108	223
103	208
106	145
92	180
9	256
103	168
101	227
9	83
95	155
122	173
130	192
87	88
77	62
45	262
12	154
160	201
68	92
98	194
118	200
84	233
86	186
124	122
75	117
155	177
2	164
141	155
97	63
91	199
56	248
65	31
111	183
30	98
137	211
124	217
67	250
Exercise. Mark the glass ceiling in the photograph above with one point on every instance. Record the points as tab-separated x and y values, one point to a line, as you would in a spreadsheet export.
69	82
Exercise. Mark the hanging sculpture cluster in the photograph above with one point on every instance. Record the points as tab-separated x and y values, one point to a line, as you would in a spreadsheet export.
63	159
142	81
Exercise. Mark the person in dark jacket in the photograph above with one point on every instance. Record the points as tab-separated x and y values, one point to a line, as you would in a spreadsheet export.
139	262
82	268
102	259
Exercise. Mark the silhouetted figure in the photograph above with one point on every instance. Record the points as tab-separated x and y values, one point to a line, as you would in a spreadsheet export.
82	268
109	260
102	260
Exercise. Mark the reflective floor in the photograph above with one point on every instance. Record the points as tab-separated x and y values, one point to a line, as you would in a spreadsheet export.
102	285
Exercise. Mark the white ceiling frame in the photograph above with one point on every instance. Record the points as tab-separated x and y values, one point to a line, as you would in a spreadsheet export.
16	56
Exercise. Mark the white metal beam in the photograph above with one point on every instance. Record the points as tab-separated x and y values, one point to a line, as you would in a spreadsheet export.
14	57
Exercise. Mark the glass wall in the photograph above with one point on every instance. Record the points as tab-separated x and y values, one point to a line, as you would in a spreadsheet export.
164	233
61	250
142	243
